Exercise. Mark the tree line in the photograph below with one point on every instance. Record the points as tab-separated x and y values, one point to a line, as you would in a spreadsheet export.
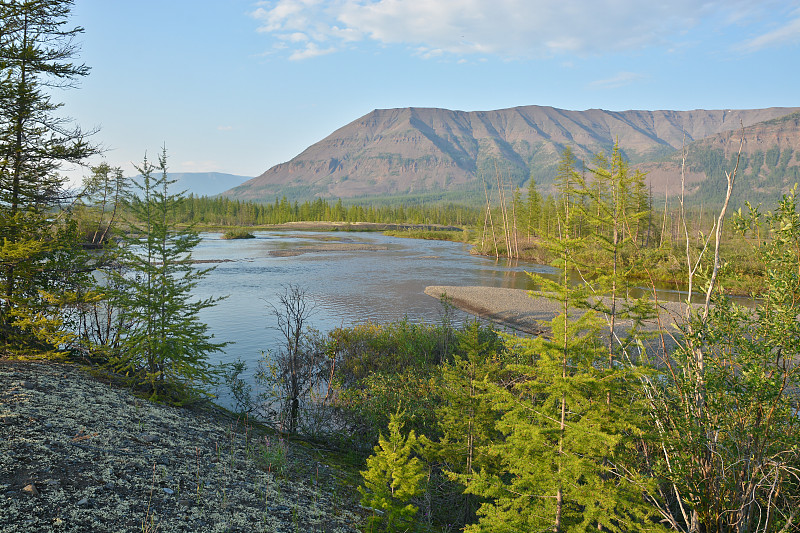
224	211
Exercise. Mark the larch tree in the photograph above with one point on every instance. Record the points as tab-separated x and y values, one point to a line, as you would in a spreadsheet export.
567	417
37	50
165	345
392	479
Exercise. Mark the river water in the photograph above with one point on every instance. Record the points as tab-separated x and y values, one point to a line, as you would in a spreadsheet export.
379	278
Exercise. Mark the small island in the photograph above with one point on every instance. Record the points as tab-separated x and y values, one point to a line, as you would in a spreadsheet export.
238	234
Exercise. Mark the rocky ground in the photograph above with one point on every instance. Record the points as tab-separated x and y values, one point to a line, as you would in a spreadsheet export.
77	454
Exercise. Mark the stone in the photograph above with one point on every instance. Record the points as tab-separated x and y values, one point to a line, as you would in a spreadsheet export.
30	489
168	491
150	439
83	502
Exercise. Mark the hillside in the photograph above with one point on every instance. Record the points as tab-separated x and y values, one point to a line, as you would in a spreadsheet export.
444	153
769	165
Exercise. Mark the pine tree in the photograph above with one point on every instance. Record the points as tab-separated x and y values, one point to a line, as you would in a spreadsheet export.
165	346
392	479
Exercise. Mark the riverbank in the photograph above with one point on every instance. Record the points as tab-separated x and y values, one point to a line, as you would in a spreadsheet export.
81	455
518	310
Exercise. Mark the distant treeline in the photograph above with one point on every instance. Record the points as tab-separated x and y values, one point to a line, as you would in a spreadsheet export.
227	212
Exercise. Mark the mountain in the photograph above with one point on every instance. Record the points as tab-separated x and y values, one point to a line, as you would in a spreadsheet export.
203	183
439	153
768	166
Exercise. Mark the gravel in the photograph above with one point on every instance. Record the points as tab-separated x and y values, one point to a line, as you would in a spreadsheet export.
525	312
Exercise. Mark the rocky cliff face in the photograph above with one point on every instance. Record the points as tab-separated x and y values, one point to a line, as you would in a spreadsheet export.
416	150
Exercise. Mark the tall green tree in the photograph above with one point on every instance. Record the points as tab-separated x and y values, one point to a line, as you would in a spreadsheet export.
614	210
165	345
465	421
37	50
566	418
533	209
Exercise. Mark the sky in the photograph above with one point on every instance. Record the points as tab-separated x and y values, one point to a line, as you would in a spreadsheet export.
238	86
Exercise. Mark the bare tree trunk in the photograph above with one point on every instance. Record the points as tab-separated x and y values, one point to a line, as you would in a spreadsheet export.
491	222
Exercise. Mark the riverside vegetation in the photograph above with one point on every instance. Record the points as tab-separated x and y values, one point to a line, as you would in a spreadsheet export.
452	428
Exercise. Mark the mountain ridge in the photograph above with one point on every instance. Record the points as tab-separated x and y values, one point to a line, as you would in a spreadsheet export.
417	150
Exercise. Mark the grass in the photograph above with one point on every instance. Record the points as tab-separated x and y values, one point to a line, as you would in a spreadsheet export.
431	235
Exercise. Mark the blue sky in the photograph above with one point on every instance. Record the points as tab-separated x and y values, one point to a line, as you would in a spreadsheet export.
241	85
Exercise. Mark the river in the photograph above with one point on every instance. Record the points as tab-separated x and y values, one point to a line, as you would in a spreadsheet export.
349	277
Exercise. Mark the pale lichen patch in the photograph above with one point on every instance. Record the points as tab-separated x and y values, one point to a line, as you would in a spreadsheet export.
81	444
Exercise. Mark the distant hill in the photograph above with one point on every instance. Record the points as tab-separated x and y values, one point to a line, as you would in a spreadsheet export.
439	153
769	164
203	183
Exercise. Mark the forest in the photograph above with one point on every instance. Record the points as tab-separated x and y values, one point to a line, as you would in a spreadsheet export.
589	427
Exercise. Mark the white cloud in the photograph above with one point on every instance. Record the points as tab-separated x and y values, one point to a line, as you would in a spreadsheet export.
296	37
311	50
225	128
504	28
789	33
615	82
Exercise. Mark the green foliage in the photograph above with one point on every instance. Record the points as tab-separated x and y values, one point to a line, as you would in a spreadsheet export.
431	235
392	479
98	207
238	234
40	266
566	417
726	405
165	346
464	421
225	212
380	367
565	433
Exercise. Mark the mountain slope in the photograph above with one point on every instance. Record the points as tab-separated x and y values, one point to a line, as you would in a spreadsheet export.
769	164
422	150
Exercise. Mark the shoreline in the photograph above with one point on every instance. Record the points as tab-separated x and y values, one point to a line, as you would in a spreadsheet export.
517	309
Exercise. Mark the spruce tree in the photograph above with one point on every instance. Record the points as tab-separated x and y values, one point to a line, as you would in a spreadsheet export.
164	346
